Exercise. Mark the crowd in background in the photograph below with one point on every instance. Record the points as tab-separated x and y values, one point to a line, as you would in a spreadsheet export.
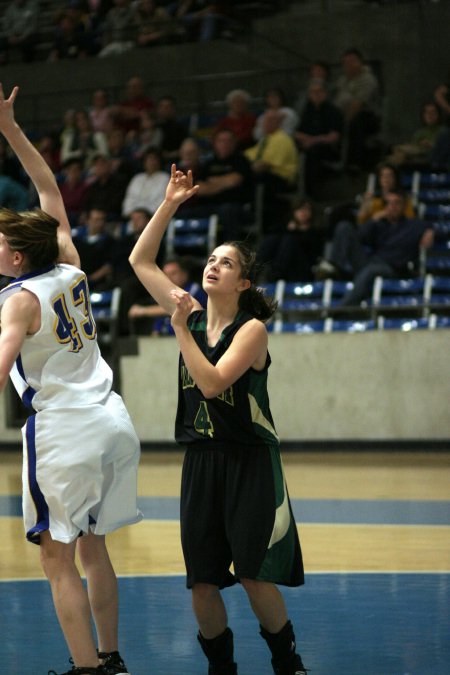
112	160
87	28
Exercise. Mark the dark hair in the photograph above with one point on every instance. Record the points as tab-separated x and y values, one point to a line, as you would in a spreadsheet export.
395	170
399	192
353	51
253	300
33	233
435	106
322	64
152	152
278	91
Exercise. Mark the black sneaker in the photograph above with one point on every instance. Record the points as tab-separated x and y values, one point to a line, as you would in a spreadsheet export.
294	667
77	670
225	669
113	663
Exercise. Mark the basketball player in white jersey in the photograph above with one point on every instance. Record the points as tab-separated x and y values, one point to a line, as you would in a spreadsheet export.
81	451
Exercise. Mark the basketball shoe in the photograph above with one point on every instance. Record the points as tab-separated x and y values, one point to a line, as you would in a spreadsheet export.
113	663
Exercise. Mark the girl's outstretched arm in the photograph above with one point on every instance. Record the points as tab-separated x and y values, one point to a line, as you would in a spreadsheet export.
143	255
40	174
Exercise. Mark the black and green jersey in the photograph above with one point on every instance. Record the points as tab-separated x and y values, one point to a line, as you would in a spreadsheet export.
238	416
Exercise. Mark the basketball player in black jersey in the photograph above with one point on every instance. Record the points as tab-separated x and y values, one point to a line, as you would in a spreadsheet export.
235	508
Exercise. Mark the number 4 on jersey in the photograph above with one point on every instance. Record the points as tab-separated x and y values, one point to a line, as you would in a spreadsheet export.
202	422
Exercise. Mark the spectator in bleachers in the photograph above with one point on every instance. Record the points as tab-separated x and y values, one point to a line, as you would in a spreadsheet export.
203	20
49	148
106	188
96	249
357	96
71	39
291	255
19	30
126	234
440	152
225	186
154	24
9	166
373	202
416	154
190	158
94	15
387	247
127	114
119	29
147	188
100	111
147	137
275	99
442	98
173	130
319	136
13	195
67	127
73	187
82	141
275	164
121	155
147	317
131	288
239	118
318	70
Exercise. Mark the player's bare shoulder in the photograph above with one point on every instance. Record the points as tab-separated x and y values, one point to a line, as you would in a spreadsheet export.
24	306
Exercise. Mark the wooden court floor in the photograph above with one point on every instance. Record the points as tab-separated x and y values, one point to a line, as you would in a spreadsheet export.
375	533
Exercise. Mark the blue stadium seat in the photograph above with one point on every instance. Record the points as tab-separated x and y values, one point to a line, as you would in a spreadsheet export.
196	236
434	211
296	299
434	196
105	310
439	321
441	230
433	179
405	324
437	263
392	295
302	327
352	326
338	290
439	293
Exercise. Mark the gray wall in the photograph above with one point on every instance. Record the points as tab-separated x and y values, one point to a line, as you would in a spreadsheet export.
409	38
324	387
375	386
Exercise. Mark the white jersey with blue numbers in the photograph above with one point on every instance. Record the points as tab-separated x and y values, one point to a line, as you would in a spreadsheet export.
60	366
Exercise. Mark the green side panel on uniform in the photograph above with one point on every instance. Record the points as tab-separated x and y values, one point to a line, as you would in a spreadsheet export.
280	558
259	406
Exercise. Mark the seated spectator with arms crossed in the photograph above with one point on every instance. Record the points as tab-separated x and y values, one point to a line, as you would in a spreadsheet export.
386	247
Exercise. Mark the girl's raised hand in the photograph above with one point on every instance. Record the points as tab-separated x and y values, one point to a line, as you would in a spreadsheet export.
184	305
7	106
181	186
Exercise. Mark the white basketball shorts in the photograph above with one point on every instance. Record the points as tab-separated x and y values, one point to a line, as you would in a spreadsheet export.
80	471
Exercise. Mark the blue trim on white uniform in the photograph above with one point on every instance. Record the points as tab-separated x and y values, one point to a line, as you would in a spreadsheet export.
16	285
29	393
42	517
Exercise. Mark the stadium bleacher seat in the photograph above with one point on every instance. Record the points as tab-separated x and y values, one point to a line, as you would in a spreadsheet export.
194	236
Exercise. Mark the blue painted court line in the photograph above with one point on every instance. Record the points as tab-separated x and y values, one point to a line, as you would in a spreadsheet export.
345	511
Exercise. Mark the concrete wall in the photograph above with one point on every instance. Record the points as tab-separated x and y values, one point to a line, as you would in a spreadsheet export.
323	387
375	386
